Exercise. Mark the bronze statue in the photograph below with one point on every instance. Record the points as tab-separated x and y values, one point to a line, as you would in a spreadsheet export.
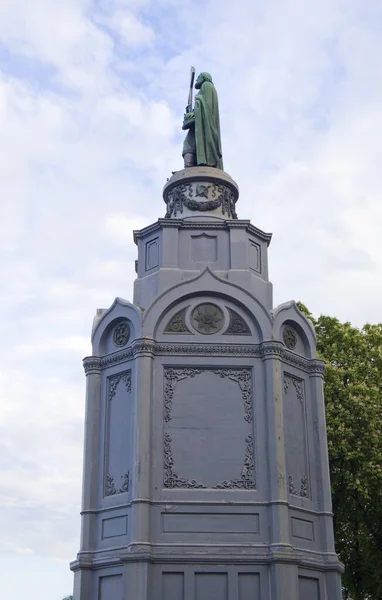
202	145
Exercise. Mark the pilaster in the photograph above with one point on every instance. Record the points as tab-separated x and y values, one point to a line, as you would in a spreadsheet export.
91	483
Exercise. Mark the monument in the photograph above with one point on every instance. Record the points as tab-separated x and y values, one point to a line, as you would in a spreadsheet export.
205	464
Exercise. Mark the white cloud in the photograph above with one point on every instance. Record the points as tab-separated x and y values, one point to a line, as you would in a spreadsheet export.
130	30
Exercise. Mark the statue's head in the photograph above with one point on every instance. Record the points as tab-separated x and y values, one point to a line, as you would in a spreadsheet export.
201	79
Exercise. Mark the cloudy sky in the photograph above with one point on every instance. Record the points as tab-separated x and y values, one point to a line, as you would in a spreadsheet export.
92	94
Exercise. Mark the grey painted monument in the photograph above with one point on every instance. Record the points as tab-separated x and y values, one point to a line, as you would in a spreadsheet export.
205	464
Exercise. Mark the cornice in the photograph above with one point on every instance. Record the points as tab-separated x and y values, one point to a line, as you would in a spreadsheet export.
216	554
222	224
145	347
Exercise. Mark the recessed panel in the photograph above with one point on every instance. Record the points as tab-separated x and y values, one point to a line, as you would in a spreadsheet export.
204	248
303	529
210	586
110	588
118	427
172	586
295	432
210	523
114	527
254	256
309	588
249	586
152	254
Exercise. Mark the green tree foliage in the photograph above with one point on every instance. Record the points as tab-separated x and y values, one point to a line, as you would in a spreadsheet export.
353	398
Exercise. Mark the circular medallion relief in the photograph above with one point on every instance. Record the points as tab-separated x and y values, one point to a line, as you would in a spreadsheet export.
207	318
289	337
121	334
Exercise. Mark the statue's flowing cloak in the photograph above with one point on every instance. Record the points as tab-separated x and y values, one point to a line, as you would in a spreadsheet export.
207	127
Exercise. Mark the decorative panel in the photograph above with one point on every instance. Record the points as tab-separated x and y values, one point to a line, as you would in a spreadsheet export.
110	587
204	248
254	256
114	527
295	432
249	586
309	588
118	426
208	439
211	585
172	586
152	254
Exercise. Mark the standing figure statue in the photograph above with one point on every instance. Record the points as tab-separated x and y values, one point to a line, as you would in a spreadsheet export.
202	145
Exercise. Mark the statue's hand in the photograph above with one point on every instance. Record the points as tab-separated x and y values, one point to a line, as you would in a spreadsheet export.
188	120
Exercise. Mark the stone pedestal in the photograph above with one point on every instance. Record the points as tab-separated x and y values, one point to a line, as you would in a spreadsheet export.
205	470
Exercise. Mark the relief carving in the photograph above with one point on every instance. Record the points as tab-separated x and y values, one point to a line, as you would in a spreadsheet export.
304	487
243	378
121	334
111	490
301	489
171	479
114	381
237	325
171	377
246	480
207	318
183	195
110	487
297	384
289	337
177	323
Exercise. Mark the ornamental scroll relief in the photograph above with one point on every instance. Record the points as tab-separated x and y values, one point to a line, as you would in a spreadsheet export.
296	442
243	378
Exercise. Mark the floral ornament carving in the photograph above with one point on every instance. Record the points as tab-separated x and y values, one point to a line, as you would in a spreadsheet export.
177	323
121	334
111	490
297	384
289	337
171	479
125	482
114	381
171	378
303	492
246	480
176	198
243	378
110	487
207	318
226	198
237	325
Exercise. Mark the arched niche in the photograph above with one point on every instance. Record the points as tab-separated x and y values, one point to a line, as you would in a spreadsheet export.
294	330
116	327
